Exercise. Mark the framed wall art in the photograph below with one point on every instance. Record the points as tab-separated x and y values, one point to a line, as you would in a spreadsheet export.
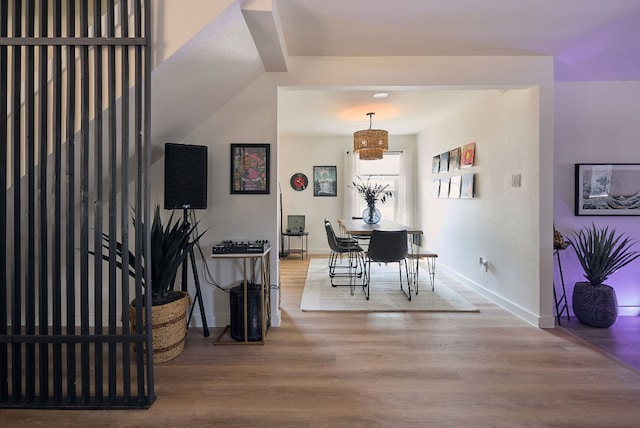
454	187
250	168
325	182
607	189
454	159
444	188
467	189
444	162
468	155
435	189
435	164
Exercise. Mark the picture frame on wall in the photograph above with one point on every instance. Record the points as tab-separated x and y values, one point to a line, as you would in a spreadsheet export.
444	188
454	187
467	158
467	186
444	162
325	181
249	168
607	189
435	189
435	165
454	159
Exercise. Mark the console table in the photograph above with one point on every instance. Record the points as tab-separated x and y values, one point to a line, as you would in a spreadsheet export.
304	237
250	275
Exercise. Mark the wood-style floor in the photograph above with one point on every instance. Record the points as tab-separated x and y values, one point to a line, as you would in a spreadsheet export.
487	369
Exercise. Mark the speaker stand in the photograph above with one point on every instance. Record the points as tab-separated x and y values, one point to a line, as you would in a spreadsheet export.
196	280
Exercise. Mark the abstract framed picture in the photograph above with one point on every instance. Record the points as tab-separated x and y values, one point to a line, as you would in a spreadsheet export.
468	155
467	187
325	181
454	159
250	168
607	189
444	162
435	165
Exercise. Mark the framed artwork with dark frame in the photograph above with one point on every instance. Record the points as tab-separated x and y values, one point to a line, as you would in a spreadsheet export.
607	189
325	182
250	168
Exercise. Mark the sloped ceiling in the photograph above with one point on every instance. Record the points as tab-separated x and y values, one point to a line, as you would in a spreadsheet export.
589	40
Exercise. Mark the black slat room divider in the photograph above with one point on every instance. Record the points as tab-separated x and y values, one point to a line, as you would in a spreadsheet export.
74	165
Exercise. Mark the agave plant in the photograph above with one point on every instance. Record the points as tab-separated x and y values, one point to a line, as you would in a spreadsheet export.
170	246
602	252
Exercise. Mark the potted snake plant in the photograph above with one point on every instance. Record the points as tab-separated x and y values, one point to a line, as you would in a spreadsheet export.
170	246
601	252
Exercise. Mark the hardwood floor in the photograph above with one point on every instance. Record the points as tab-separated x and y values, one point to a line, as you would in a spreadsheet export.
486	369
621	341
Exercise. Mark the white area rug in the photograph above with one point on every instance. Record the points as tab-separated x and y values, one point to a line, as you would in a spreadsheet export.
385	295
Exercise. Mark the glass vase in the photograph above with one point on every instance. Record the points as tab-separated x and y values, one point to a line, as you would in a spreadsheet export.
371	215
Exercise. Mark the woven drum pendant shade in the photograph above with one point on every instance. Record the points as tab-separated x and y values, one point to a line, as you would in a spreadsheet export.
370	144
370	154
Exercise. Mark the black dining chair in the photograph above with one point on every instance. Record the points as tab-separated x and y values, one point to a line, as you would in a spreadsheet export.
354	267
387	247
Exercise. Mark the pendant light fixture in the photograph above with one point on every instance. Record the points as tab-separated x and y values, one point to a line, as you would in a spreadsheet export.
370	144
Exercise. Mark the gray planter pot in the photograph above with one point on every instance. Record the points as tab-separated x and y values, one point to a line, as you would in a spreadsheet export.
595	305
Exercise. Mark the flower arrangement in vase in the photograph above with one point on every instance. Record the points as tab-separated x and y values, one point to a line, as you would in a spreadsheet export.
371	193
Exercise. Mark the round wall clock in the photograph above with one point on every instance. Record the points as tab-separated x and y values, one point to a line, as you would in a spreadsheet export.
299	181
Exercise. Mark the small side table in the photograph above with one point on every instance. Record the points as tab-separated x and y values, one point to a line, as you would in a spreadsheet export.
561	300
304	236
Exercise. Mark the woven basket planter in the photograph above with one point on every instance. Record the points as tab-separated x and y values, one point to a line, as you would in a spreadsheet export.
595	305
168	326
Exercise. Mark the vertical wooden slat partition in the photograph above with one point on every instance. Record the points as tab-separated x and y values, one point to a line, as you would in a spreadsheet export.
74	165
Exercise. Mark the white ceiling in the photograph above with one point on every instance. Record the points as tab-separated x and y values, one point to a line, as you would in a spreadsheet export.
589	40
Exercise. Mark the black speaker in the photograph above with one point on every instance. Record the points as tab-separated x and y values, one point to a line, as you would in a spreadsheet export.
254	312
185	176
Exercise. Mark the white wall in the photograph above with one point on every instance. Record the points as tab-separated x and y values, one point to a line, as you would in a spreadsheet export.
596	122
251	117
500	222
301	154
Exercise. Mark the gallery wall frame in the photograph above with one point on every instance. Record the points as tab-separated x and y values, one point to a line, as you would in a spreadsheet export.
467	189
250	168
454	159
607	189
468	155
444	162
435	189
454	187
444	188
435	164
325	181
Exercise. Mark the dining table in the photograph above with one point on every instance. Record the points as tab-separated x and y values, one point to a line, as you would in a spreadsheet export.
359	229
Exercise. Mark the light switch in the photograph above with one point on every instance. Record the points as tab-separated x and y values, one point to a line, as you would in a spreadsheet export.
516	180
